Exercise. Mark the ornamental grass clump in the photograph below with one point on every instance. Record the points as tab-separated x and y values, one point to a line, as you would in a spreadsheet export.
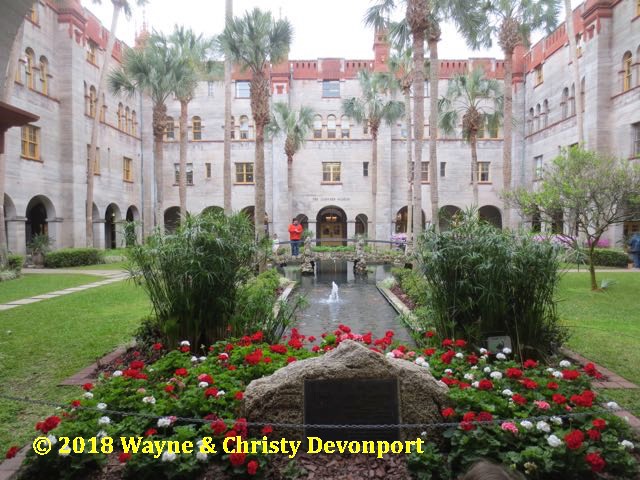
192	276
484	282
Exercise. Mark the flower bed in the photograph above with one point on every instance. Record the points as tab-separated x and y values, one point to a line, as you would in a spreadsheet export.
543	421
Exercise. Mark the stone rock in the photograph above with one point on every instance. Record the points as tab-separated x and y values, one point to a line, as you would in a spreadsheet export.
279	398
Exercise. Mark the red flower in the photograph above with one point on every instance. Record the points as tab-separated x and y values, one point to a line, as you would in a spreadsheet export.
519	399
429	351
267	430
124	457
574	439
449	381
595	461
266	359
599	423
530	364
529	384
232	367
585	399
593	434
157	346
241	427
469	417
245	341
460	343
315	348
49	424
169	388
184	348
205	377
12	452
75	403
257	337
150	432
485	385
252	467
181	372
312	338
237	459
137	365
467	426
553	386
559	399
428	334
447	356
484	417
254	357
211	392
570	374
591	370
366	338
88	387
239	395
514	373
292	359
228	347
472	359
295	343
218	427
448	412
278	349
463	385
447	342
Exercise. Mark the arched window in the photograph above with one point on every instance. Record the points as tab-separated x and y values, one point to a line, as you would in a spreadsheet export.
317	126
127	120
331	126
233	128
545	114
530	121
44	75
583	97
28	67
93	99
196	128
538	113
344	127
134	124
572	99
244	127
626	71
120	116
169	131
564	103
103	110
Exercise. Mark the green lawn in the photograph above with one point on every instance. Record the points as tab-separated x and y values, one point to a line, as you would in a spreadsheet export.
36	284
44	343
103	266
605	326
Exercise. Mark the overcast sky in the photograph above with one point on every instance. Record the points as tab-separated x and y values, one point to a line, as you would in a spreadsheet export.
322	28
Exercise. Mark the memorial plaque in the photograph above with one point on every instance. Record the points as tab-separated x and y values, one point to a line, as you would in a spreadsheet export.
351	402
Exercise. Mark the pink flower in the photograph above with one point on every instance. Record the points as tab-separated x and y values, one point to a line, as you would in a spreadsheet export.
509	427
542	404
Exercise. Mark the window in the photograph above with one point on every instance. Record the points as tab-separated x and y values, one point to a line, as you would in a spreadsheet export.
28	67
210	89
530	121
96	162
626	71
134	123
365	169
103	110
443	168
331	126
44	76
120	116
537	165
93	99
207	169
638	8
424	172
537	118
31	142
545	114
583	97
539	77
565	103
233	128
244	127
572	99
127	169
331	172
127	120
243	89
189	173
579	45
344	127
33	14
244	172
91	52
317	126
483	172
196	128
635	151
169	129
331	89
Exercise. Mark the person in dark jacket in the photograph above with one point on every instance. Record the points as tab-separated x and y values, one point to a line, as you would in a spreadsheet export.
634	249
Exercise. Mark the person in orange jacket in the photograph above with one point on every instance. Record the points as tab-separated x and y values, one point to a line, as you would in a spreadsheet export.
295	234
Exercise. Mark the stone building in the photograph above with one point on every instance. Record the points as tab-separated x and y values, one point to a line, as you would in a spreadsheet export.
62	47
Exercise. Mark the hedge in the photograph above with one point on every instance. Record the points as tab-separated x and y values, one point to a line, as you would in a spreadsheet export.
72	257
15	262
610	258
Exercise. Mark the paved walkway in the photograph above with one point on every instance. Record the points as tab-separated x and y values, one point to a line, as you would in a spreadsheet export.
110	276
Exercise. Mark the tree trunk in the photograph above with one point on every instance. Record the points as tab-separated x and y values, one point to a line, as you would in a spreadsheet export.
573	55
95	124
418	125
592	268
182	174
259	187
434	76
508	123
159	120
7	91
289	189
374	181
410	171
473	140
226	167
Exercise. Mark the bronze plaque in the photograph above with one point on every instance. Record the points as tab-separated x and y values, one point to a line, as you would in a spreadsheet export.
351	402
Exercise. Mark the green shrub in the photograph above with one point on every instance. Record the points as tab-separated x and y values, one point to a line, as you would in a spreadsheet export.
6	275
603	257
15	262
414	284
73	257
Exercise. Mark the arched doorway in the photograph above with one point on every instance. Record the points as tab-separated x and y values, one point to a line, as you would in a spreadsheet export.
250	212
39	211
332	226
171	219
401	220
492	215
447	216
111	217
131	231
9	210
362	224
132	214
212	210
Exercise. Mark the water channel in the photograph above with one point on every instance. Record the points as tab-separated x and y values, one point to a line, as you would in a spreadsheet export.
359	304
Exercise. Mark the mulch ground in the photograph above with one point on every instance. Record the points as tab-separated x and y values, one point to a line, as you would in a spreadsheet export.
398	292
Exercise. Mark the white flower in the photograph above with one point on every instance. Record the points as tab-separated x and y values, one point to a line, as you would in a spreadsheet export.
483	351
613	406
101	406
164	422
550	369
506	351
117	373
104	421
220	393
496	375
168	456
203	384
390	355
194	359
185	343
565	363
543	427
507	393
556	420
151	399
475	384
201	457
487	370
557	374
501	356
448	370
425	364
627	444
88	395
474	367
554	441
101	434
419	360
202	359
52	439
459	355
469	376
150	369
526	424
484	357
423	434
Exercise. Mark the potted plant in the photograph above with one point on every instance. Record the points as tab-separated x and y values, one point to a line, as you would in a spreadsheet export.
39	245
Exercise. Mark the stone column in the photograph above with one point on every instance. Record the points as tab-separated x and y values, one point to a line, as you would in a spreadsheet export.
16	235
98	233
54	227
351	229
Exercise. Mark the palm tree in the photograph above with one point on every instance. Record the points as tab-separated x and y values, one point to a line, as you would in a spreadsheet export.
295	126
194	50
118	7
255	41
573	54
513	23
228	67
373	107
468	99
153	71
